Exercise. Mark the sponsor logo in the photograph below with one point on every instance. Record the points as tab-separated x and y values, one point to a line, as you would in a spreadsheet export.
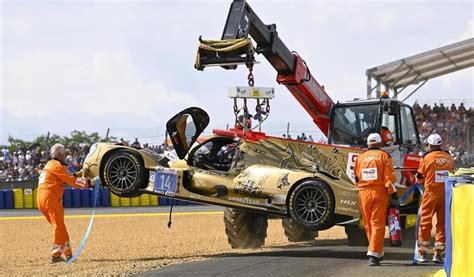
348	202
441	175
411	158
348	209
352	157
244	200
165	193
369	174
348	193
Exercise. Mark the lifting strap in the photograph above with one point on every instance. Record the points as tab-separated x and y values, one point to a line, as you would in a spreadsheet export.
224	52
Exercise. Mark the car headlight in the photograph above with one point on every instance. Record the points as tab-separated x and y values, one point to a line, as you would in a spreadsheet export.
92	150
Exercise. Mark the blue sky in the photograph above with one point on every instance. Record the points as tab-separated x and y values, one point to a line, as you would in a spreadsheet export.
128	65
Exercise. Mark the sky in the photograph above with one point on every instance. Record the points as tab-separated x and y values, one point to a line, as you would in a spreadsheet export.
128	65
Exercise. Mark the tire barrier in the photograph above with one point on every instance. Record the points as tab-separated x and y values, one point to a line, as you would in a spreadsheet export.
114	200
67	197
91	198
135	201
85	198
105	197
28	198
76	198
18	198
80	198
2	199
124	202
154	200
145	200
35	197
9	202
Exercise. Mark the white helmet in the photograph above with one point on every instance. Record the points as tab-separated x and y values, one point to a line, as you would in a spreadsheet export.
434	139
374	138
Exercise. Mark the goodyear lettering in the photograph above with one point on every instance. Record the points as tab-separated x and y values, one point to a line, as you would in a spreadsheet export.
244	200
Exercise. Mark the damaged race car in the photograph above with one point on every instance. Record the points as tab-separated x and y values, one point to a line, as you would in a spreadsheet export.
256	177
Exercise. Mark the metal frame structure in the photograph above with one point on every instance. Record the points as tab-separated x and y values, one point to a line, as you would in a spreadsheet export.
418	69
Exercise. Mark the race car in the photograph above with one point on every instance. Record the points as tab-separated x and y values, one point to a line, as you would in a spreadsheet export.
255	177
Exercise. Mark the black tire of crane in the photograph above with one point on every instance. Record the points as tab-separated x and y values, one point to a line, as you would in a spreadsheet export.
296	233
245	230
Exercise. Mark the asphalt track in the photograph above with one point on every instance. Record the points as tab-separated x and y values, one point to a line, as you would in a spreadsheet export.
337	259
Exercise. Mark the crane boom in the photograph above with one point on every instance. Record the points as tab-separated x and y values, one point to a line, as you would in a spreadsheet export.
293	72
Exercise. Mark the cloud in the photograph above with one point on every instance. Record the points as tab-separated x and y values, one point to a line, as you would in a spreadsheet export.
94	83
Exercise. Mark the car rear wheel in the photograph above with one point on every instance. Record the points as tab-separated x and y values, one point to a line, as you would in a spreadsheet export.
312	205
245	229
124	173
296	233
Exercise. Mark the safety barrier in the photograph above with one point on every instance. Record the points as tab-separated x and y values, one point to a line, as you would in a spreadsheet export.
459	226
19	198
28	198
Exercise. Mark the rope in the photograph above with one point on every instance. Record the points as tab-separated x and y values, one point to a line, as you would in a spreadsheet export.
89	228
418	187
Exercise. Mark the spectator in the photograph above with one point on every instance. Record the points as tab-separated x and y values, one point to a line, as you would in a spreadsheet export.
136	144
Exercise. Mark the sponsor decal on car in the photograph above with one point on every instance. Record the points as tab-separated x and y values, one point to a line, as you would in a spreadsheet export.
348	202
245	200
351	158
283	181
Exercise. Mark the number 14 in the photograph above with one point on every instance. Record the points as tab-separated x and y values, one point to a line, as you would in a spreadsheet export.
166	181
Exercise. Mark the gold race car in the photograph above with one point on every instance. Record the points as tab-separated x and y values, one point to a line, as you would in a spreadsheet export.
309	185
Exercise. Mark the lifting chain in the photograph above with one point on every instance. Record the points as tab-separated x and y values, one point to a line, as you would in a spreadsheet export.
250	78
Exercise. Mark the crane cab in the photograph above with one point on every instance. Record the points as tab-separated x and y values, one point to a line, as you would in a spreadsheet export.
352	122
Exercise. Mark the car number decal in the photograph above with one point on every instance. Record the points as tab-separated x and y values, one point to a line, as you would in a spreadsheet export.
164	182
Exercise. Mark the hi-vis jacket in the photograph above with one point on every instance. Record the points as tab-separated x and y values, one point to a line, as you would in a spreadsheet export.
54	175
374	168
434	169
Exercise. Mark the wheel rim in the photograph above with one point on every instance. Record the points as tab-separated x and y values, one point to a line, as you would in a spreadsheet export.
310	205
122	173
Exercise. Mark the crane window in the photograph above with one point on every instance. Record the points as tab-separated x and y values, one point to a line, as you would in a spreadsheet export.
409	135
352	124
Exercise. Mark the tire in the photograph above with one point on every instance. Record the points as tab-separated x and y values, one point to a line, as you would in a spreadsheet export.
245	229
312	204
296	233
124	173
356	236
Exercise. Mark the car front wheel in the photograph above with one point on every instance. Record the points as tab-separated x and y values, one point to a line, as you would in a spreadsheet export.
124	173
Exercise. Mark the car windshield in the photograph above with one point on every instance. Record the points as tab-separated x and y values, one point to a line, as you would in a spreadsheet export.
352	124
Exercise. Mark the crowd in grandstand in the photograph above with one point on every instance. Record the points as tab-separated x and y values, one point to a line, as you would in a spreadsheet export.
452	123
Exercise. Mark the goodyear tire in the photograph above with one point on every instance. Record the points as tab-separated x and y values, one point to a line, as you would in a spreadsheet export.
356	236
296	233
245	229
312	204
124	173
